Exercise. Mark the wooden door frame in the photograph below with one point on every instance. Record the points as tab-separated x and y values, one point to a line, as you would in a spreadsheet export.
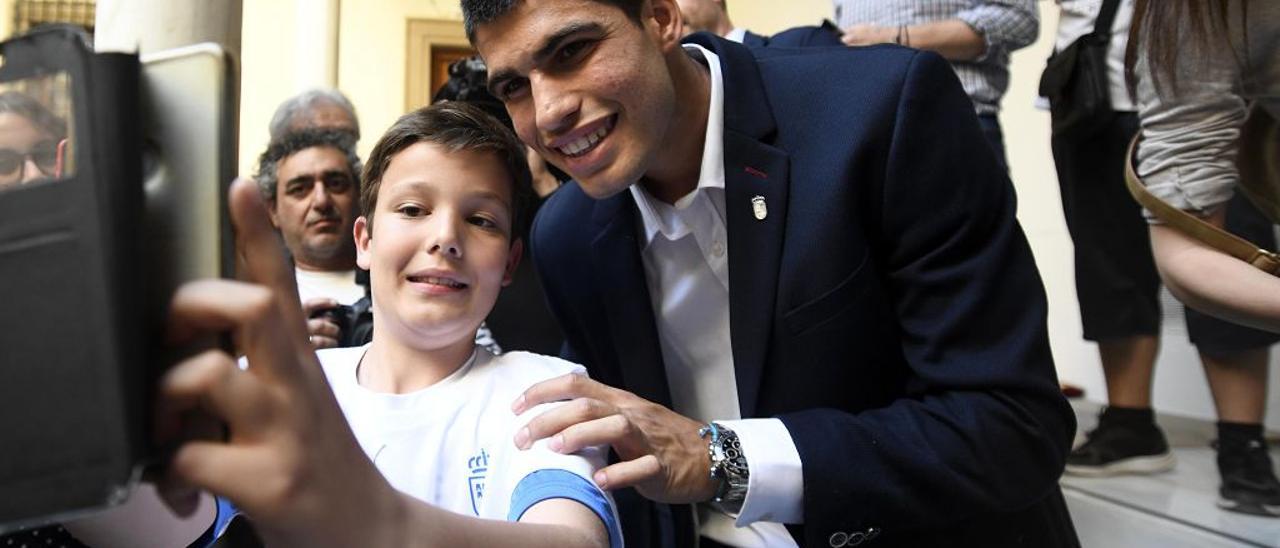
422	34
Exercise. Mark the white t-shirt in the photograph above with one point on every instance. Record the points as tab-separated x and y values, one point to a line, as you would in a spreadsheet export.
340	286
450	444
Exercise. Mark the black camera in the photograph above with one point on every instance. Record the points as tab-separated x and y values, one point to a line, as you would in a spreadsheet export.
354	321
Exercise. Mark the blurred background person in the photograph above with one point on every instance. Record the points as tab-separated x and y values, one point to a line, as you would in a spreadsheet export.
1116	283
309	180
30	136
1116	280
315	108
976	36
1197	68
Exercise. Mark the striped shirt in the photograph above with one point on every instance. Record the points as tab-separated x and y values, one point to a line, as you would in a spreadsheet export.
1006	25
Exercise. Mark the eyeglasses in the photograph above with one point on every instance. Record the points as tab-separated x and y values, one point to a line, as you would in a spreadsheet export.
44	155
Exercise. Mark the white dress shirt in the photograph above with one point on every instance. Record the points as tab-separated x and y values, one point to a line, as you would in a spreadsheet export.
686	262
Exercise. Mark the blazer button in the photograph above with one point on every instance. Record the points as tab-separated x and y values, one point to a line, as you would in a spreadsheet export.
838	539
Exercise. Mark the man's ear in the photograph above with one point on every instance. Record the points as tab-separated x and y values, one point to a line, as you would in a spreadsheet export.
271	211
513	261
667	22
363	232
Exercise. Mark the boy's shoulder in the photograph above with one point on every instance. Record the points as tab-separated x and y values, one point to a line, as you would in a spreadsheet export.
523	369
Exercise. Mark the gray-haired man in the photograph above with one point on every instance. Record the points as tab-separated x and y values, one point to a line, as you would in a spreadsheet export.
315	108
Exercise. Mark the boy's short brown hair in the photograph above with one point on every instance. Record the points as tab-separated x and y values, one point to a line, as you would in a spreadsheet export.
454	126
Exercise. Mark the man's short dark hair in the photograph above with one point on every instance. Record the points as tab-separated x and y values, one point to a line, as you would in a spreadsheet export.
268	176
479	12
454	126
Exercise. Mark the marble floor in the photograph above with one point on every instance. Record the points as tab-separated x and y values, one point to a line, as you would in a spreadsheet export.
1167	510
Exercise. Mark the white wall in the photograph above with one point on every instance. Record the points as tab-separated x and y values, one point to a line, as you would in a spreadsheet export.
770	16
371	62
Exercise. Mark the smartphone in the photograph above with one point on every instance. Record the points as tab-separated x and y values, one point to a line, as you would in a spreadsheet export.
90	257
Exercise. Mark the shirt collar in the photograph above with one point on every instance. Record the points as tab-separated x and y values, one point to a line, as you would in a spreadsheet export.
711	174
738	34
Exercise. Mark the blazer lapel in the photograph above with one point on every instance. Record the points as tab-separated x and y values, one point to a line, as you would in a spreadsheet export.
756	184
629	310
756	215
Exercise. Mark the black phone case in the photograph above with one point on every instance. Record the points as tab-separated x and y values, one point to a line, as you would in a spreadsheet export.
73	363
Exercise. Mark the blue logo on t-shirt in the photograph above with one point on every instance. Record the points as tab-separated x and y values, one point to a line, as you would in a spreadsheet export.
479	466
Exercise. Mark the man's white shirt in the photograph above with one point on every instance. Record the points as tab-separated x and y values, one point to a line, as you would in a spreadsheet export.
686	262
339	285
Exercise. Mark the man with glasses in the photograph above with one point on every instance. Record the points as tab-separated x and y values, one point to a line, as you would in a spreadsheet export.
30	139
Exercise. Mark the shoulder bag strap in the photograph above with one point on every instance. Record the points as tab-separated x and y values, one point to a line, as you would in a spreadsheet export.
1106	16
1195	227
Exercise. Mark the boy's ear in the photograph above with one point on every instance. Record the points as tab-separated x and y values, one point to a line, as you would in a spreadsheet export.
513	261
363	233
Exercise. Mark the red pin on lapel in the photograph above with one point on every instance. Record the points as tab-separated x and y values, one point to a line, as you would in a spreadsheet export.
755	172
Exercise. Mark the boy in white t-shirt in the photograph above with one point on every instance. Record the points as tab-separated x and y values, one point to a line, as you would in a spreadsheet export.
443	207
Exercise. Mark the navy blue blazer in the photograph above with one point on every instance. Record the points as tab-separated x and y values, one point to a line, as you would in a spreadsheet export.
825	35
887	309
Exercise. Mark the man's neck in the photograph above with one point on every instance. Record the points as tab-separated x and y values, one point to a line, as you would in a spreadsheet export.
324	266
395	368
676	170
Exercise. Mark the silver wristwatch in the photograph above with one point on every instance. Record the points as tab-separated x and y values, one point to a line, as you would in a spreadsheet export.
728	466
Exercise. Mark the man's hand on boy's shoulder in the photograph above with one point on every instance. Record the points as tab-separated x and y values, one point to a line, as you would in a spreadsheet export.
280	415
662	454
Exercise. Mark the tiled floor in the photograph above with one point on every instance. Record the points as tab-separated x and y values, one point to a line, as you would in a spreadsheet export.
1171	509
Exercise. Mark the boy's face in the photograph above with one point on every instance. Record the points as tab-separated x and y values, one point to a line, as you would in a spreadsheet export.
586	87
315	206
442	246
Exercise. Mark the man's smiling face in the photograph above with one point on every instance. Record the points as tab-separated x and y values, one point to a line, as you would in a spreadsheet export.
587	87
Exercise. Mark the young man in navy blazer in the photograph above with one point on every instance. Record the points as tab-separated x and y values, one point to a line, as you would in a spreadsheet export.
796	279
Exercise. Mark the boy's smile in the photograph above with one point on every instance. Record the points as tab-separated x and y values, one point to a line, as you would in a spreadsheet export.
434	281
440	246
